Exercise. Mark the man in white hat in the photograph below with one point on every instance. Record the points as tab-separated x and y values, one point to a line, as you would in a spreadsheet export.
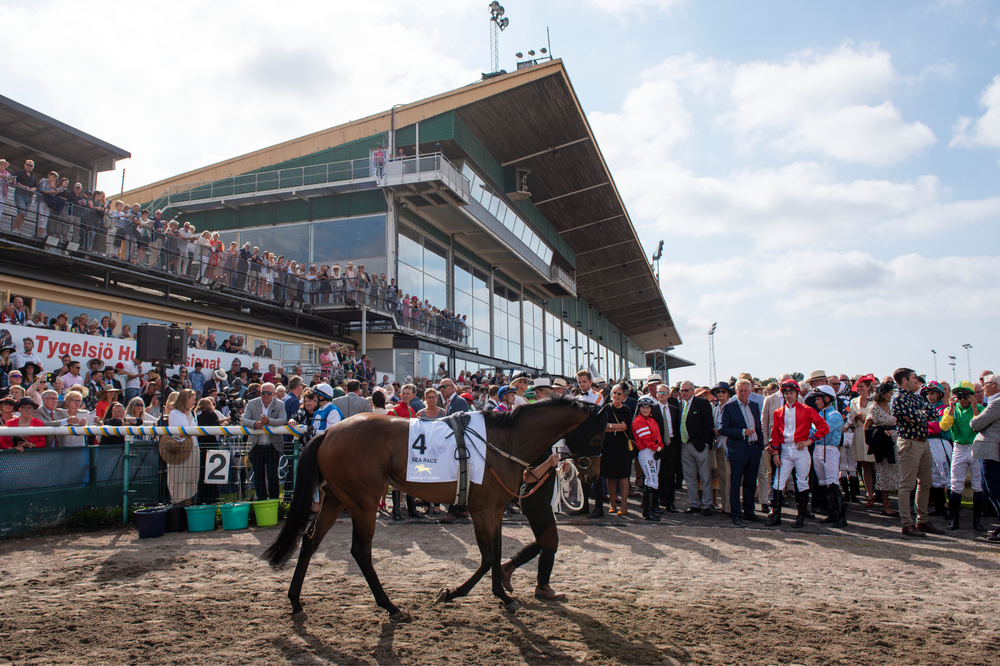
816	379
559	387
543	388
651	384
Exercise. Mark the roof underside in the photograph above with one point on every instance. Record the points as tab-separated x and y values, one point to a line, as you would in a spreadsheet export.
28	134
573	188
516	116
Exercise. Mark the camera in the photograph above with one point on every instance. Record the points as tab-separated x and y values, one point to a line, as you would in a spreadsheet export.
50	377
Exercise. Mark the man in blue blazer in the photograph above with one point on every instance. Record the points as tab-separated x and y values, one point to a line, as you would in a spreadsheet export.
744	445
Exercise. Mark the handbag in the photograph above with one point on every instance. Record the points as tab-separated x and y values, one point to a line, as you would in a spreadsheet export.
631	442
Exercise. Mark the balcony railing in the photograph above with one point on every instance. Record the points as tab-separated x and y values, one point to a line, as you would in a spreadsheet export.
269	181
424	168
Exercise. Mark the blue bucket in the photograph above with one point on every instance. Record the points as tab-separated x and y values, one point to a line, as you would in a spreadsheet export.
235	516
151	522
201	518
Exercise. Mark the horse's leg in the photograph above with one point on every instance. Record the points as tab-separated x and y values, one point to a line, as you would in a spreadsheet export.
310	543
496	542
361	549
483	538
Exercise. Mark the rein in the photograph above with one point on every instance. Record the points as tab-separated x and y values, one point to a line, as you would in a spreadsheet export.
538	484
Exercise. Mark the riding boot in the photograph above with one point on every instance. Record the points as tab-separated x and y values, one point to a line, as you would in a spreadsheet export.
855	487
954	505
845	487
937	496
820	501
977	512
395	505
838	497
802	499
832	508
654	503
585	509
775	517
649	504
411	507
598	511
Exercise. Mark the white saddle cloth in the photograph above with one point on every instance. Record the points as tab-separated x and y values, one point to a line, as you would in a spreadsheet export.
431	448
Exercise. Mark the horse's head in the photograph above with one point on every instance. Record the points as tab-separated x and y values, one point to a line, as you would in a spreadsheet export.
587	441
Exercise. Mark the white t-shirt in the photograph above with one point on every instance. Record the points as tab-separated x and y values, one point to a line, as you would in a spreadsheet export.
130	369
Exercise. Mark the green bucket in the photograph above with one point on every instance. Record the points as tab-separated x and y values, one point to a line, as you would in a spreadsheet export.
201	518
235	516
266	512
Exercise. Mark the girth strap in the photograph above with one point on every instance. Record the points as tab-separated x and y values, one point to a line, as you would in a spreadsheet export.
458	423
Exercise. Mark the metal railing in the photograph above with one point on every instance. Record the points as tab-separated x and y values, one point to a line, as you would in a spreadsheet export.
78	230
268	181
430	166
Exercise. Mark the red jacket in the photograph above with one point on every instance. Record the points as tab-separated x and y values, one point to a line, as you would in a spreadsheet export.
647	433
404	410
805	418
37	440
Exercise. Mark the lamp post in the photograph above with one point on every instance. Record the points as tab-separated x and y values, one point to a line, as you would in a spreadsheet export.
498	22
968	359
711	354
954	379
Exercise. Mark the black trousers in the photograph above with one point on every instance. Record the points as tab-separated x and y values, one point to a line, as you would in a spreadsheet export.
671	472
264	459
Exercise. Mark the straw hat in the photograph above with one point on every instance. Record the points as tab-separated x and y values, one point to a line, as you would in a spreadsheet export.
175	452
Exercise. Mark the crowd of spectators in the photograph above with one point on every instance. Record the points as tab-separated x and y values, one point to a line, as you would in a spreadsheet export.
134	235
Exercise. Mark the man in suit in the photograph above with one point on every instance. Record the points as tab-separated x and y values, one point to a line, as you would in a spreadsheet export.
50	414
265	410
744	445
986	446
668	418
352	403
697	432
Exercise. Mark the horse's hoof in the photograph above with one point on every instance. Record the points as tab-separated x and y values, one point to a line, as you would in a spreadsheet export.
399	616
443	595
299	616
513	607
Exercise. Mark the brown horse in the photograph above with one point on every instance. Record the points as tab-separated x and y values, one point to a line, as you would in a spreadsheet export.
352	460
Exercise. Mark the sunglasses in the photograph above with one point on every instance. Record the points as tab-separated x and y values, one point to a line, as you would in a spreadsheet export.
267	392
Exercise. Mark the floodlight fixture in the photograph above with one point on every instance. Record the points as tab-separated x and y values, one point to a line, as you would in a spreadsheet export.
531	53
544	51
518	55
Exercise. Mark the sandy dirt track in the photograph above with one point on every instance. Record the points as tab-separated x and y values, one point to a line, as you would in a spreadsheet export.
691	590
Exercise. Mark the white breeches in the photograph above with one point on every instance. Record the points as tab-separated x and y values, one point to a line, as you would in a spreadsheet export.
793	459
826	462
650	468
941	461
961	463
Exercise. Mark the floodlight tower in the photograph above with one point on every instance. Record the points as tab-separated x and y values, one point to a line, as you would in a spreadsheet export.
935	364
954	379
656	258
498	22
711	354
968	359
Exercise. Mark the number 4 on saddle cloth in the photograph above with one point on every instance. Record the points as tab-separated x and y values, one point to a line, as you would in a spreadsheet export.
433	455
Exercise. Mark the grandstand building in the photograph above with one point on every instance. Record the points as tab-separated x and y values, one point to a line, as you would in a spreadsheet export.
491	202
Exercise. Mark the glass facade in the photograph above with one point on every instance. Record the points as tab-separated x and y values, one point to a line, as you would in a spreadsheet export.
358	239
507	216
472	299
533	325
423	268
506	323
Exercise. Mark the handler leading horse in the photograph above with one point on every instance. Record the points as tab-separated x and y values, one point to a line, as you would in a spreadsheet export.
353	459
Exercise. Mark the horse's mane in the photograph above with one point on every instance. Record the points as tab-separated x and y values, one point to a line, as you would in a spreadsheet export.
508	420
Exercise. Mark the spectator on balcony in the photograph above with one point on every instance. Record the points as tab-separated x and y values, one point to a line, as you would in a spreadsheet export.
350	280
96	225
126	333
48	202
104	329
243	267
120	222
141	234
6	181
92	327
185	247
216	257
26	183
210	343
171	246
203	251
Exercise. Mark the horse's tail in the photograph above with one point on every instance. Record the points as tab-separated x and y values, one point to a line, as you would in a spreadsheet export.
298	514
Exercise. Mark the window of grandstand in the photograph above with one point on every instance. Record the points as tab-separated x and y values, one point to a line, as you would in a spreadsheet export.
133	322
404	364
534	356
360	239
423	268
472	299
52	310
290	240
507	320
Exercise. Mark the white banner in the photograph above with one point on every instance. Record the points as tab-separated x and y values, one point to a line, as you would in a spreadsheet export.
50	346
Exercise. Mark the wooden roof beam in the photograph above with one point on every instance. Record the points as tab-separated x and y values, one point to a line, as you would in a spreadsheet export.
569	194
543	152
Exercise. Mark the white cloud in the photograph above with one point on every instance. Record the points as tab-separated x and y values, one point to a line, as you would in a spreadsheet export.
218	80
832	104
620	8
985	130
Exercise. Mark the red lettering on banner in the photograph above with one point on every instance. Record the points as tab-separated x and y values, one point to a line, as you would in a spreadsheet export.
63	348
75	350
107	353
53	346
123	353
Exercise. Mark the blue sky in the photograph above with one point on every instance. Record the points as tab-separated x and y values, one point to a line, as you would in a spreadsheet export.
824	175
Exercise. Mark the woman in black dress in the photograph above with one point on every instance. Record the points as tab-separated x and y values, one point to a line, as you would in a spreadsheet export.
616	459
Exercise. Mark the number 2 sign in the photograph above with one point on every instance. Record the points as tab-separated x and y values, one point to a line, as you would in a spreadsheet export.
217	466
